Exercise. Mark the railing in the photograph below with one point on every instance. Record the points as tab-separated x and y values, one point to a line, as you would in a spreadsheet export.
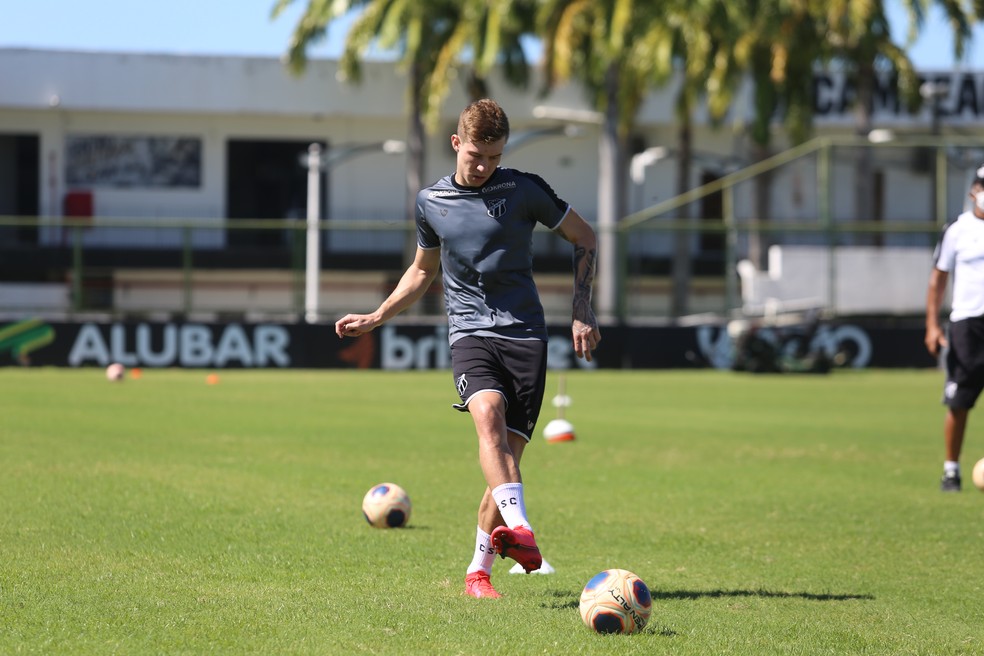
195	260
961	154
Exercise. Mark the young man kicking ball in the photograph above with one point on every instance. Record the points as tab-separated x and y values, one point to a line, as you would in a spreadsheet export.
477	227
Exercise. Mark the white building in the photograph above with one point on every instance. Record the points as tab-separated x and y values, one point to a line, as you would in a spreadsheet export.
139	141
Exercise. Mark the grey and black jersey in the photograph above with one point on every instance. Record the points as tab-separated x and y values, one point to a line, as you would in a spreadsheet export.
486	239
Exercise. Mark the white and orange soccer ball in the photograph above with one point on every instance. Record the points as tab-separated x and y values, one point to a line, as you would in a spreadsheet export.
115	372
616	601
386	506
978	475
558	430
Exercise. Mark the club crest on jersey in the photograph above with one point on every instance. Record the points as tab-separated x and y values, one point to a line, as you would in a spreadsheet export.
496	207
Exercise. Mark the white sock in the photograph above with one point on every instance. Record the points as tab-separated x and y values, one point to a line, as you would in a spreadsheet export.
484	553
951	467
509	499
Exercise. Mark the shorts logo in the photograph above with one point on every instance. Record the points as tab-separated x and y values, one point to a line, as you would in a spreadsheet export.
496	207
950	390
529	425
462	385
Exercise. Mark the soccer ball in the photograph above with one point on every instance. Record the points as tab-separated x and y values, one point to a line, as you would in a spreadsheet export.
115	372
978	475
616	601
558	430
386	506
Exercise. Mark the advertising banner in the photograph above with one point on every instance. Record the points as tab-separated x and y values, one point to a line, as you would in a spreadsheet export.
34	342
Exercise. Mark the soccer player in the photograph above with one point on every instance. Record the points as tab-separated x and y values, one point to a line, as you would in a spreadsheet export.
960	252
477	227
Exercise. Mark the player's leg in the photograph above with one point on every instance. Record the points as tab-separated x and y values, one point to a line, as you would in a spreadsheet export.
526	361
964	382
478	376
513	538
477	581
489	515
499	462
954	428
484	372
495	448
475	369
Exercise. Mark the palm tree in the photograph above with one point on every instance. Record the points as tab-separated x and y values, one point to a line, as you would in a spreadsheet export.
399	25
487	33
854	33
431	38
778	45
959	14
860	39
703	34
618	49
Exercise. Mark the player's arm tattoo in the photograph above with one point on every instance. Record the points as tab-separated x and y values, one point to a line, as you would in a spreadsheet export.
585	262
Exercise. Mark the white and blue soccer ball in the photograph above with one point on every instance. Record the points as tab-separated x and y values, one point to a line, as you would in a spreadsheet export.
616	601
115	372
977	475
386	505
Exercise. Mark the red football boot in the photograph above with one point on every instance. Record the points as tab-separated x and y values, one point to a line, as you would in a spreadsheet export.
478	585
517	543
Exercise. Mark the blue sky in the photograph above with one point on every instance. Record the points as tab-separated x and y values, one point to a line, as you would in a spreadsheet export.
243	27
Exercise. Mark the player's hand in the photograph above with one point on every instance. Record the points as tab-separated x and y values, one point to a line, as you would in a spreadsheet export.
586	337
353	325
935	340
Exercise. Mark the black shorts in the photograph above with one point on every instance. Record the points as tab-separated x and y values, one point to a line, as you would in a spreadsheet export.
515	368
964	363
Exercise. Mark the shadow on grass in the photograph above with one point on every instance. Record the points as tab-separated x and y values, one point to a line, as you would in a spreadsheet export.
567	600
776	594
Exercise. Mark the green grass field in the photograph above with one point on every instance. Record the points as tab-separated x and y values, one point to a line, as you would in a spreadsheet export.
769	515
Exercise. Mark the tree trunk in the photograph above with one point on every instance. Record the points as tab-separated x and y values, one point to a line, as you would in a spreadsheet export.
864	200
415	161
609	200
763	207
766	101
682	238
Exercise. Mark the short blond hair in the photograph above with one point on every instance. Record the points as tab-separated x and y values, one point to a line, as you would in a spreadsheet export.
483	121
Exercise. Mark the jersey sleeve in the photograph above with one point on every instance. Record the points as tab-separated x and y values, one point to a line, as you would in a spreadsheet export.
544	203
426	237
946	254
